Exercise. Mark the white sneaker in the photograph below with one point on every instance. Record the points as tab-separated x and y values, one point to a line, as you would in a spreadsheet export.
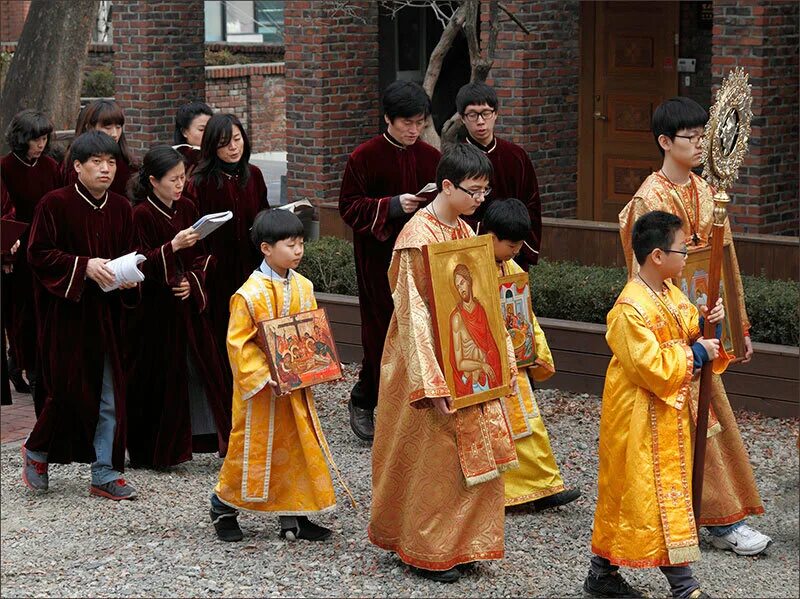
742	541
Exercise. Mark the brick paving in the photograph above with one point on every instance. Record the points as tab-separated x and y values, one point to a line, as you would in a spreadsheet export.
16	420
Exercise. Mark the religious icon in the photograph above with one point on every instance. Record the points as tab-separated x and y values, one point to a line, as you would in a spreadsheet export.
300	350
729	132
515	303
467	322
694	283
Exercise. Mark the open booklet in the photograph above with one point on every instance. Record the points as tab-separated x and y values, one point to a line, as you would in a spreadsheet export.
294	206
211	222
427	189
126	270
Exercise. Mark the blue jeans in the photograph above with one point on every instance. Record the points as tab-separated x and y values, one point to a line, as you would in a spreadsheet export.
102	470
721	531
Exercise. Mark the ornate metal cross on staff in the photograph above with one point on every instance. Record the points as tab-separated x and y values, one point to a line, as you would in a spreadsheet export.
726	137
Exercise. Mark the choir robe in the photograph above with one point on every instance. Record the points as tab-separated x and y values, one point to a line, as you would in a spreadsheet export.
79	325
230	245
5	386
729	487
192	156
644	515
125	170
437	493
512	177
277	453
166	333
26	185
376	171
538	474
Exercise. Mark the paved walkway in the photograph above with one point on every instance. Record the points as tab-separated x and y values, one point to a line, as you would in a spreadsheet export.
17	420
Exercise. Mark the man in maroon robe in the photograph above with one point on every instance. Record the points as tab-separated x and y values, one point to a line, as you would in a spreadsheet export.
377	198
27	174
75	231
513	175
474	356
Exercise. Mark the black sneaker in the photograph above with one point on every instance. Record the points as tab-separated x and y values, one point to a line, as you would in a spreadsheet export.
609	585
226	525
303	528
444	576
361	421
563	498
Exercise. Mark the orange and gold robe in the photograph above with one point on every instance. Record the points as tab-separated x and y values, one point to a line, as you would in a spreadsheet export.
729	487
644	515
276	459
538	474
437	493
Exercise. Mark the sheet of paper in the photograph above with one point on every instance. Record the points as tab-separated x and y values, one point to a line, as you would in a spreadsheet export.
427	189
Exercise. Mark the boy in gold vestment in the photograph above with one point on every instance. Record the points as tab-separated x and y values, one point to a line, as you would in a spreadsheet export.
729	487
537	482
276	459
644	514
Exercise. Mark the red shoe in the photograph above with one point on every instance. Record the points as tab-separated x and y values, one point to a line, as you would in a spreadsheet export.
34	474
116	490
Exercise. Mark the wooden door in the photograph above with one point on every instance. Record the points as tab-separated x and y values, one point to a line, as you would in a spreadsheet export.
634	58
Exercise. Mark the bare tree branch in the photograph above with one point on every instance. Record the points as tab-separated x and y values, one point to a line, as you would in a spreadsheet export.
514	18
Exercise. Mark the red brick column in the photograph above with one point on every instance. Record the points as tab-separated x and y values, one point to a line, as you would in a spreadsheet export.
12	18
158	65
762	37
536	78
332	98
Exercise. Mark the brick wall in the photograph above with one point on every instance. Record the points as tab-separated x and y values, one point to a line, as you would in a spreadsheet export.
12	19
255	52
762	37
158	65
695	42
331	92
256	94
536	78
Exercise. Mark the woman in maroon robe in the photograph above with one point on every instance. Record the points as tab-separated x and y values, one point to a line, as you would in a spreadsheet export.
190	123
5	387
177	388
105	116
224	180
27	176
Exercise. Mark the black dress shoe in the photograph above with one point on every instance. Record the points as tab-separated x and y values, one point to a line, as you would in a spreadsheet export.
445	576
563	498
300	527
361	421
609	585
226	525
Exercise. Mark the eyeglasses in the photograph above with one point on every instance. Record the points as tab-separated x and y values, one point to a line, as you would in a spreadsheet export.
481	193
485	115
693	139
683	252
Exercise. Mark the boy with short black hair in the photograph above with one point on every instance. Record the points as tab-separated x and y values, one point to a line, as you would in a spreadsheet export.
729	489
644	515
537	483
277	453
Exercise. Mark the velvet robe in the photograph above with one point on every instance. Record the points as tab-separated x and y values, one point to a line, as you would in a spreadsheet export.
120	183
5	387
79	325
376	171
26	185
230	245
513	177
166	331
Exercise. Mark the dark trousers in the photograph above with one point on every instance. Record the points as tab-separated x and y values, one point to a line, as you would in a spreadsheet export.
681	580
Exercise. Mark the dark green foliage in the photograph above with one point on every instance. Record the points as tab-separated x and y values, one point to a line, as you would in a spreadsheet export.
570	291
98	84
329	264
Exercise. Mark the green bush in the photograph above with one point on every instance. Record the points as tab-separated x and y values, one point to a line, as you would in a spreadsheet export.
98	84
215	58
329	264
570	291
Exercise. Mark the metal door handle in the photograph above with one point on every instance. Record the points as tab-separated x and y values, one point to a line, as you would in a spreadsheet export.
600	117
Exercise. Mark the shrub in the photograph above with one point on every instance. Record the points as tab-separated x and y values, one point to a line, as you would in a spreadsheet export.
329	264
98	84
216	58
774	310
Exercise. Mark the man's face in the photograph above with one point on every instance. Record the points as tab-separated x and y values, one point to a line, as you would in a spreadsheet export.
406	130
97	173
468	195
685	152
479	119
672	262
464	287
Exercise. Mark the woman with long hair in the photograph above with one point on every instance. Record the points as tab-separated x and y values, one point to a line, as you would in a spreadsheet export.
108	117
190	123
225	180
178	390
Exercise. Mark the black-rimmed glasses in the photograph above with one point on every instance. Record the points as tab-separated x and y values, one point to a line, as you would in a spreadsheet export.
476	194
693	139
683	252
473	116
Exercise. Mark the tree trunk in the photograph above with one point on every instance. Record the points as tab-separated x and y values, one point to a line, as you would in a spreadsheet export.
47	69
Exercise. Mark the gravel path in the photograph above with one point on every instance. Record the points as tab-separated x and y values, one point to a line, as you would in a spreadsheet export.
69	544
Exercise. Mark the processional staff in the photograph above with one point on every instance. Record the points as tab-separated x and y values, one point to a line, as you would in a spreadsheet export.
726	137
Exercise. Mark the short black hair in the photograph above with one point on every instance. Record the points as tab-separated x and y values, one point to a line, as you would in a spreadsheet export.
25	126
273	224
405	99
653	230
462	161
93	143
508	219
185	115
676	114
475	93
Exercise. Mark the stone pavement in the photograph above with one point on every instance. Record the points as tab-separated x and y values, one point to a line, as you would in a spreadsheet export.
17	420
